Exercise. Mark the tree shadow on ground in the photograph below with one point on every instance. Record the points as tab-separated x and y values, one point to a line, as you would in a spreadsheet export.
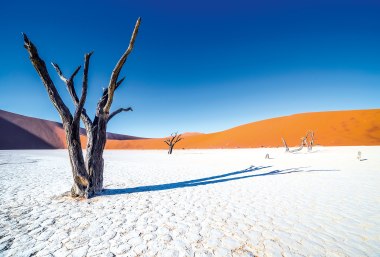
208	180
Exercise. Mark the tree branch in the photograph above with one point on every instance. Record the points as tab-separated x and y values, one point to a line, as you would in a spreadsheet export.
179	138
82	100
103	100
119	82
119	111
70	87
41	69
69	82
119	66
285	144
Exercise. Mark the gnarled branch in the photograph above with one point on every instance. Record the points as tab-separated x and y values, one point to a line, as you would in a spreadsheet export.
119	111
70	87
41	69
119	66
82	100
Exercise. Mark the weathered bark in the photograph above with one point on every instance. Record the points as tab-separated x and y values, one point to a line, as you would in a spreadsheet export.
87	172
172	140
94	158
81	178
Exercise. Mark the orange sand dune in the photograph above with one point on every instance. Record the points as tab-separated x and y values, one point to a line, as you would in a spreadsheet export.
335	128
331	129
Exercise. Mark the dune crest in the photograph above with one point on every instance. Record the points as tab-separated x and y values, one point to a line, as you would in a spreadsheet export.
334	128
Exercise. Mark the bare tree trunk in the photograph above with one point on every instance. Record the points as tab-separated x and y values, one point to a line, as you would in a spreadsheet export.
94	157
80	176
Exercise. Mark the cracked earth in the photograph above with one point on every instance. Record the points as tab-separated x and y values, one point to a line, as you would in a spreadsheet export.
195	203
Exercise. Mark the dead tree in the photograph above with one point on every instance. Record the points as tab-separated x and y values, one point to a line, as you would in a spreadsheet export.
305	142
285	145
172	140
359	157
87	172
311	142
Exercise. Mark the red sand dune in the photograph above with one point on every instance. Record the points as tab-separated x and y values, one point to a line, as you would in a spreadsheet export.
334	128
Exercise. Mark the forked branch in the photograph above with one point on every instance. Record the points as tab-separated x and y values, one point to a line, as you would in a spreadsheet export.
103	100
116	71
70	87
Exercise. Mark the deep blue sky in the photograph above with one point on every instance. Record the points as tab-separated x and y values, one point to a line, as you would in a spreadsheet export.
197	65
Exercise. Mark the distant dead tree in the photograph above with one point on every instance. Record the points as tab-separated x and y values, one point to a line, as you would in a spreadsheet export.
87	172
306	141
359	157
286	146
172	140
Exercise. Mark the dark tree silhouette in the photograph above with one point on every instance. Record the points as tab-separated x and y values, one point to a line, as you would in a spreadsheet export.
172	140
87	172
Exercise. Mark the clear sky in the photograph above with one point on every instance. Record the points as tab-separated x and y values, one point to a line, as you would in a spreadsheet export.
197	65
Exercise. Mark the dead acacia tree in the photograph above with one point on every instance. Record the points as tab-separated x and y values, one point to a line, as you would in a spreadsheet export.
286	146
172	140
311	142
87	172
306	141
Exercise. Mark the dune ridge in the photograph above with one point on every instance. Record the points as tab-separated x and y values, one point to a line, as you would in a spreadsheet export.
332	128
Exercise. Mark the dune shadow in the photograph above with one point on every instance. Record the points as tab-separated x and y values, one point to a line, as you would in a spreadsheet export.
14	137
208	180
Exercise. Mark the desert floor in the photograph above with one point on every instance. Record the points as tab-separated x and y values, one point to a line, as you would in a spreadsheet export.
195	203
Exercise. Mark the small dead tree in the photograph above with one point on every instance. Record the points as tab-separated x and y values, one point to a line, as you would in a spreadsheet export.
87	172
285	145
359	157
311	142
172	140
306	141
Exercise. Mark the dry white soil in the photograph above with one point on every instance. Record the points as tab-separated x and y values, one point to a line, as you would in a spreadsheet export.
195	203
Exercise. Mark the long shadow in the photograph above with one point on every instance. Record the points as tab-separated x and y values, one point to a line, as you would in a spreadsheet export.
207	181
